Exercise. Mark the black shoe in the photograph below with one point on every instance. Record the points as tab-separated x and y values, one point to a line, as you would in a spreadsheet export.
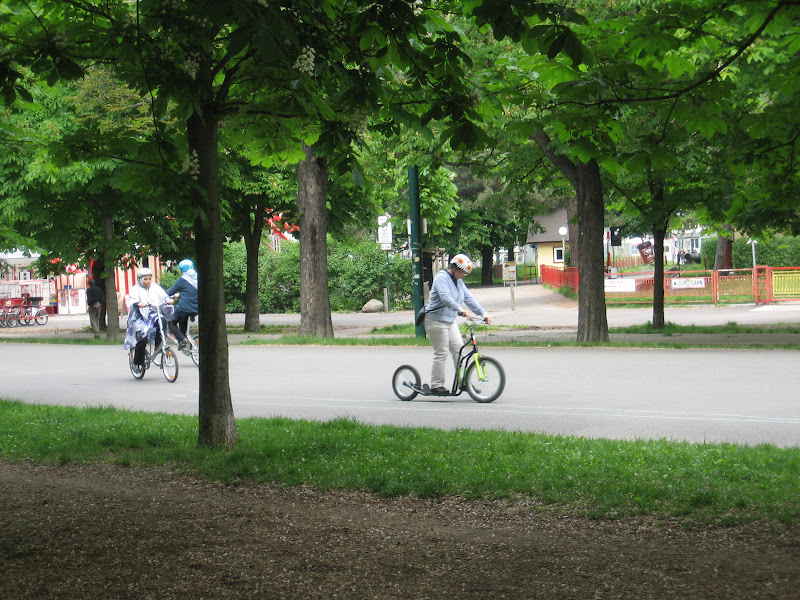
440	391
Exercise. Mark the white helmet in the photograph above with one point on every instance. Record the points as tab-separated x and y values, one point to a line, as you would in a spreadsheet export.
463	262
143	272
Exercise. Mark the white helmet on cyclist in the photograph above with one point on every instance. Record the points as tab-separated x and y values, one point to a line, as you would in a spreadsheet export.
142	273
463	262
185	265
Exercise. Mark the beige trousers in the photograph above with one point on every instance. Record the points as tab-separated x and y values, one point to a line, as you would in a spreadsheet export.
446	341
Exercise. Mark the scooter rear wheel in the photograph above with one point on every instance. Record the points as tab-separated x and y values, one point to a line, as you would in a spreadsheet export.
404	377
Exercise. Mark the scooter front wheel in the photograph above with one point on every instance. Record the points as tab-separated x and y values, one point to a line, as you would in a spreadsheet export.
403	379
486	384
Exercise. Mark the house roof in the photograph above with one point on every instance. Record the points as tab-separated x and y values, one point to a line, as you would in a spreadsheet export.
551	224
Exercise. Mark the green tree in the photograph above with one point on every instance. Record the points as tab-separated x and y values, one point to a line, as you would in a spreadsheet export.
68	202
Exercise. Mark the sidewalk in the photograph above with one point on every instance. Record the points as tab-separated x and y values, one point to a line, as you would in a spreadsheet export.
538	314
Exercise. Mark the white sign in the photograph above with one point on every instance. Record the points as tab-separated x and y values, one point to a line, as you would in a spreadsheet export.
620	285
510	271
385	232
689	282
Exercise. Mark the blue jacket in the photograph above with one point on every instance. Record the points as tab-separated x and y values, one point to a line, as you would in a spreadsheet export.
450	295
187	286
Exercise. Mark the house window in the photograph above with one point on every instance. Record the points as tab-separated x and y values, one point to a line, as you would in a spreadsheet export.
558	254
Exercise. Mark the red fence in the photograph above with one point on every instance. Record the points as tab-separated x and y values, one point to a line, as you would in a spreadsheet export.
559	277
761	285
626	262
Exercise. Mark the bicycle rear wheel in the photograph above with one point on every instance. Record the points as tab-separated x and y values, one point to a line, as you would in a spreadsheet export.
169	364
402	380
136	370
195	353
41	317
489	387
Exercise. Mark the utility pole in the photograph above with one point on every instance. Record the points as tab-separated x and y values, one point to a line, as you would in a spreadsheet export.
416	242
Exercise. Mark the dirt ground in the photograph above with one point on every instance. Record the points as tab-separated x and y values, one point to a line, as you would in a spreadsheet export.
116	532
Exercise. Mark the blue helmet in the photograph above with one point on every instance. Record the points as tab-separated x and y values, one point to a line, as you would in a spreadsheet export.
185	265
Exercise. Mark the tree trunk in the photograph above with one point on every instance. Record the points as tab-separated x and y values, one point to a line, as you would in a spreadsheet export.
98	274
109	281
722	257
217	427
486	264
315	303
659	232
585	178
592	320
574	232
252	242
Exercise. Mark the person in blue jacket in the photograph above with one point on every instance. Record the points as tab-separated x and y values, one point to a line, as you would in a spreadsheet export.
448	295
186	286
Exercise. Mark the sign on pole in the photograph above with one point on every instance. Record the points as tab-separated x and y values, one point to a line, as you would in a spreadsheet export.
385	232
509	272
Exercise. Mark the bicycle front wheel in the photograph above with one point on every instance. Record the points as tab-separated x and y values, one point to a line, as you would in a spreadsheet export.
41	317
136	370
489	387
402	380
169	364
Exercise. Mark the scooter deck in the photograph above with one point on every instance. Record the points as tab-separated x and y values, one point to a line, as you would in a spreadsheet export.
425	390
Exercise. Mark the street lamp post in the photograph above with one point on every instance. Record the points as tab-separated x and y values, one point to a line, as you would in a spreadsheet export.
753	243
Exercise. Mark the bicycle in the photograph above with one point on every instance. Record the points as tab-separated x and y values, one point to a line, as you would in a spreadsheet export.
9	316
163	356
33	313
482	377
192	347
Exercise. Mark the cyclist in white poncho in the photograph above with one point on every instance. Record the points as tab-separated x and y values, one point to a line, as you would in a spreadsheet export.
142	315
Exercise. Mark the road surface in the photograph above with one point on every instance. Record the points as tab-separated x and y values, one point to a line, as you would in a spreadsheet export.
738	396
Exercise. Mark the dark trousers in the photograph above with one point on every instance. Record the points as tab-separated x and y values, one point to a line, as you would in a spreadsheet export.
139	349
179	325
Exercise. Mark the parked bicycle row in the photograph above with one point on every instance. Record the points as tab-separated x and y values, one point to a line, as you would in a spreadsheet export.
11	316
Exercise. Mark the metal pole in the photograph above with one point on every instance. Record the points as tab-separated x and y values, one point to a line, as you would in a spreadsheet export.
416	242
388	284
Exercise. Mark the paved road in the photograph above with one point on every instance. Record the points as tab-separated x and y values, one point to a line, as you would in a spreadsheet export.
741	396
534	305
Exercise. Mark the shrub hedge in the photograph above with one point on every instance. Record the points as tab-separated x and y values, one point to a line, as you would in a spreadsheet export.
775	252
356	274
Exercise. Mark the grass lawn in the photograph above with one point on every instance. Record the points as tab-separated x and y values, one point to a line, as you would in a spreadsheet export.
700	483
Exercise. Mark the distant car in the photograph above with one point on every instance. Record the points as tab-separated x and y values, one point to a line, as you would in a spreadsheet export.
692	257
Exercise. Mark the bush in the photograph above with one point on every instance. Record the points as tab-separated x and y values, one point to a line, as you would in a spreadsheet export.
234	276
776	252
169	277
708	252
279	279
356	274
